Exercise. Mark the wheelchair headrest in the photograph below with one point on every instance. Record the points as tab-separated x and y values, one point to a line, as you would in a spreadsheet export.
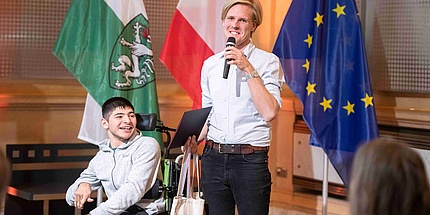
146	122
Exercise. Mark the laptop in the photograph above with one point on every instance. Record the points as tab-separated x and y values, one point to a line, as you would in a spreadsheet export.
191	123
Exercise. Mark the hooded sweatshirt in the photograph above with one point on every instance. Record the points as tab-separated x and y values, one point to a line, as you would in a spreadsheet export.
126	174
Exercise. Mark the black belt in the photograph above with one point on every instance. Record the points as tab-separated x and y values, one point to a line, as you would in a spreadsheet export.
240	149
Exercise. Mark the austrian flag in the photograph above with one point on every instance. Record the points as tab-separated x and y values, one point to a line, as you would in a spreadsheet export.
195	33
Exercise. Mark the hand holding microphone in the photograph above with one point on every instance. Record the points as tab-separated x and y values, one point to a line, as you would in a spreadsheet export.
231	41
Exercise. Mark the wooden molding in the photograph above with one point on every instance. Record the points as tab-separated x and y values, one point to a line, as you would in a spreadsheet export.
69	94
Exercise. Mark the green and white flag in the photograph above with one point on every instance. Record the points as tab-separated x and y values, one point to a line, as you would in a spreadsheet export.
106	45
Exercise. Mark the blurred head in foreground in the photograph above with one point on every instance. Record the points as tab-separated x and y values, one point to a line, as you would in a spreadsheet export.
388	178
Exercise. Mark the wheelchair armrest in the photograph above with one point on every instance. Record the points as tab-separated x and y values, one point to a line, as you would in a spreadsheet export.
155	191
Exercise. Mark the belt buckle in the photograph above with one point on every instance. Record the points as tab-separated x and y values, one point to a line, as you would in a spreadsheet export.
220	148
228	149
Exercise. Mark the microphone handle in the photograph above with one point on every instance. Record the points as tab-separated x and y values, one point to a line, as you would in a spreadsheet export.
226	69
230	42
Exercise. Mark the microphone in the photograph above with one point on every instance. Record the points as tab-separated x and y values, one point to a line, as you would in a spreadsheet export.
231	41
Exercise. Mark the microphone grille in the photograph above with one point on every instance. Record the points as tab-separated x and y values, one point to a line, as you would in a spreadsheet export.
231	41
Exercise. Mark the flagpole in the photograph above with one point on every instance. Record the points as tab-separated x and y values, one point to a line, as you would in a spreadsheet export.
325	185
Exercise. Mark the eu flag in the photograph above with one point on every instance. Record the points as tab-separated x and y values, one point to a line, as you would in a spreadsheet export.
322	52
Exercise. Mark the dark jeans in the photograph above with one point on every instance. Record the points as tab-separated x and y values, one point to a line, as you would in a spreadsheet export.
242	180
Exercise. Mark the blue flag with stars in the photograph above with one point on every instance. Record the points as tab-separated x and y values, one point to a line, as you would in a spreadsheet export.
322	52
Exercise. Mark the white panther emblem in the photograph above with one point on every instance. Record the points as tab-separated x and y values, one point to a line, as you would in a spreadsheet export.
130	68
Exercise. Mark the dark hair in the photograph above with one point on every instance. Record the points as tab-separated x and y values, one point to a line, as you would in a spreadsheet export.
388	178
111	104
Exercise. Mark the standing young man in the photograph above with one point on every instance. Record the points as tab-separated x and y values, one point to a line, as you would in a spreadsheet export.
127	165
238	132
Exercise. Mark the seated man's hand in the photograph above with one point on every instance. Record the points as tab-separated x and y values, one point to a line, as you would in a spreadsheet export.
191	145
82	195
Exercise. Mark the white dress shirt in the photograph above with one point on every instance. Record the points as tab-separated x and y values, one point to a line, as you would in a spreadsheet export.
234	118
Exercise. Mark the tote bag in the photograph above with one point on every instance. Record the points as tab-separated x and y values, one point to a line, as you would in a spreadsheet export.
192	203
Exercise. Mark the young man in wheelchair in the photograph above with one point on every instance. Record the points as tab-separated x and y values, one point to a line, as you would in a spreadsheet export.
126	166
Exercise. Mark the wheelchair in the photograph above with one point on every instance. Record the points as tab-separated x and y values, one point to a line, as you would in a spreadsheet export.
170	167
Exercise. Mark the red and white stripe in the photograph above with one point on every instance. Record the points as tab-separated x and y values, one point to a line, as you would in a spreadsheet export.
195	33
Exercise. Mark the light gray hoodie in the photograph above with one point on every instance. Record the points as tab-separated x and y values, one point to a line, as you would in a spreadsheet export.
126	174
